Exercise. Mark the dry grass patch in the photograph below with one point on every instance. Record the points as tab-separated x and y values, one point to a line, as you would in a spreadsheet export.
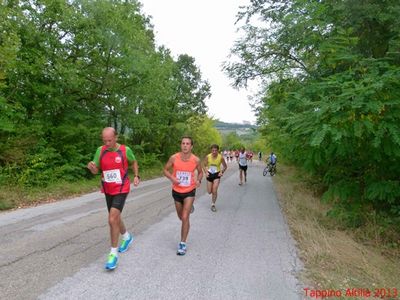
15	196
18	197
333	259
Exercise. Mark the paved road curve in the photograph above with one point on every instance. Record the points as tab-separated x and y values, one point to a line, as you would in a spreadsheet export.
244	251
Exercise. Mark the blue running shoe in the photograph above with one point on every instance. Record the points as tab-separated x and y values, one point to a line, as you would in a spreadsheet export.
125	244
181	249
111	262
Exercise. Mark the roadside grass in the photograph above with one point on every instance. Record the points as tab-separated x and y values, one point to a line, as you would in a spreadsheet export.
18	197
13	197
334	258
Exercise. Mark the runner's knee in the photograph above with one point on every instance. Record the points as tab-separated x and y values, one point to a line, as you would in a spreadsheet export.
184	217
114	219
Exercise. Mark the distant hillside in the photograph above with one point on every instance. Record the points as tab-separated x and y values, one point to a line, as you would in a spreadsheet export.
232	126
240	129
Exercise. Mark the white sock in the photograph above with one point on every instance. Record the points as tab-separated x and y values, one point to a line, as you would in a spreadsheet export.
114	251
126	236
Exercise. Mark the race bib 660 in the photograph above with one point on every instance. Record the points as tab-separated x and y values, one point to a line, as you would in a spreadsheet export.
112	176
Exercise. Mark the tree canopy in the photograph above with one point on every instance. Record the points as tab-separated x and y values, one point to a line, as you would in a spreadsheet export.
330	101
70	68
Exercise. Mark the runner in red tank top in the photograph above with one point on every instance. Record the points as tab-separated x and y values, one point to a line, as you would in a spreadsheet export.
186	176
113	161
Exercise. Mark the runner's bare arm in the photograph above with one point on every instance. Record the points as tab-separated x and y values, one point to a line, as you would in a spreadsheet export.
224	165
204	165
200	172
168	167
135	168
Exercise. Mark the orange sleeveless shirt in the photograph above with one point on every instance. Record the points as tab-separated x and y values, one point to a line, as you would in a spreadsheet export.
184	171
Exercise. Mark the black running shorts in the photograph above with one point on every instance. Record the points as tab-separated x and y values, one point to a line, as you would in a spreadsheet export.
179	197
116	201
212	177
244	168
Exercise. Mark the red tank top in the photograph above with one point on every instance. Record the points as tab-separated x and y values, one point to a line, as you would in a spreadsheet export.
114	167
184	171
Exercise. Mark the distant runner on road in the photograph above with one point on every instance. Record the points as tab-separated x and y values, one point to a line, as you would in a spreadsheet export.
113	160
242	161
212	167
184	165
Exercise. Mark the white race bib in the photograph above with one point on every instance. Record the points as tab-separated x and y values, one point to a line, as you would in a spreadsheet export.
185	178
112	176
212	169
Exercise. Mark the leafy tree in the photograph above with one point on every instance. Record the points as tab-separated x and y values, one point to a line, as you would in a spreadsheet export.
178	94
331	101
10	113
69	68
191	90
232	141
204	134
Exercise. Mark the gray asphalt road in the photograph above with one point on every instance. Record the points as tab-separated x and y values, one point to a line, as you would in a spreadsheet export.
243	251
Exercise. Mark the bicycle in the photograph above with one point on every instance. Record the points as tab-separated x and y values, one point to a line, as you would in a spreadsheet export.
270	168
265	172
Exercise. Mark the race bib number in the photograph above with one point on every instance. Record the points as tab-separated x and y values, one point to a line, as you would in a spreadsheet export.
184	178
112	176
212	169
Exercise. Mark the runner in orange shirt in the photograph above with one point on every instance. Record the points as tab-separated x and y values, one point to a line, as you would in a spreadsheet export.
184	166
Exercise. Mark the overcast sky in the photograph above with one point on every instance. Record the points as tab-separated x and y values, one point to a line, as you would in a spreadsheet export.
206	31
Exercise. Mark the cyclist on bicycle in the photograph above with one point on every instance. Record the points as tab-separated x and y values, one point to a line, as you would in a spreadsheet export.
272	159
271	165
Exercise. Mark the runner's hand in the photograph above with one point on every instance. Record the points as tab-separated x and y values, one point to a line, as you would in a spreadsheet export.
175	180
92	167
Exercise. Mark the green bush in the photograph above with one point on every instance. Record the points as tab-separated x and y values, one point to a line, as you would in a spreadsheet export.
39	168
